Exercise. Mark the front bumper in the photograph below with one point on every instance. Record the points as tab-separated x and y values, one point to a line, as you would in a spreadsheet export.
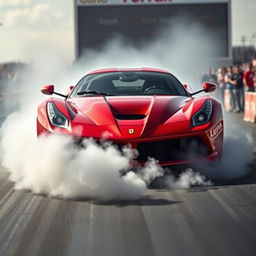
185	150
179	149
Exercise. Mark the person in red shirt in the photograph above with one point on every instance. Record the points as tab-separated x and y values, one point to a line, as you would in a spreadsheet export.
248	78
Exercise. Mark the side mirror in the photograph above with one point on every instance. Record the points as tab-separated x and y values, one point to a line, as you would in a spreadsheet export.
48	89
209	87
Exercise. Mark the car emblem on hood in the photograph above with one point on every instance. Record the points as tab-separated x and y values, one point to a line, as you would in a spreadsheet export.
131	131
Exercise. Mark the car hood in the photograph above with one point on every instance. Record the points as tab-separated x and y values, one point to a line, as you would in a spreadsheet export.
129	109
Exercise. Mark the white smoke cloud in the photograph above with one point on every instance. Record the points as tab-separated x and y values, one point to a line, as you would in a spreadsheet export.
184	50
54	166
238	150
187	179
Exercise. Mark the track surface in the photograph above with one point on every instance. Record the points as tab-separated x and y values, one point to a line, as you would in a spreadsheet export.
220	220
217	220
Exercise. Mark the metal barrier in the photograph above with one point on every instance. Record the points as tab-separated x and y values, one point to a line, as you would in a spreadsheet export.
250	107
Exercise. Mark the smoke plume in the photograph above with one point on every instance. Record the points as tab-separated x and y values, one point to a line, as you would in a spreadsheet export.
53	165
238	152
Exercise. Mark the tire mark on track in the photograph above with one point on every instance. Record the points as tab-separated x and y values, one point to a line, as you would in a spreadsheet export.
16	225
221	225
9	207
137	239
171	227
240	206
5	192
110	229
49	230
30	239
57	236
78	243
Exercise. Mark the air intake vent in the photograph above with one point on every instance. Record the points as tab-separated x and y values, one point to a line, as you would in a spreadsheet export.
130	117
173	150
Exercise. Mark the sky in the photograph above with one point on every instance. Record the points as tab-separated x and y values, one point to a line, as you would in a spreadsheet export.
32	26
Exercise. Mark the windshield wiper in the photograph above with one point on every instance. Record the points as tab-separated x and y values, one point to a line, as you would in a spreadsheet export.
94	92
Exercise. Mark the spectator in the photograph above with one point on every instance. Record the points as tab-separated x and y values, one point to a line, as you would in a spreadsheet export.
221	83
248	78
229	89
237	82
209	76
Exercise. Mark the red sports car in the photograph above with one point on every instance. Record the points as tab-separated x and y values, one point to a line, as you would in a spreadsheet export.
149	109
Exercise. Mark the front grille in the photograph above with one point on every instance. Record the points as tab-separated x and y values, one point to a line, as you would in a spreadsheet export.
130	117
173	150
165	151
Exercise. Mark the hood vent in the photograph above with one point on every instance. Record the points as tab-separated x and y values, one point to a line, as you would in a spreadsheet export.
130	117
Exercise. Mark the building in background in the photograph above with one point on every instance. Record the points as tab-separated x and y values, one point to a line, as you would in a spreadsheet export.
139	21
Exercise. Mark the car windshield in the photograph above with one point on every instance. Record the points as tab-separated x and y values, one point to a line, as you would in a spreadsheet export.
129	83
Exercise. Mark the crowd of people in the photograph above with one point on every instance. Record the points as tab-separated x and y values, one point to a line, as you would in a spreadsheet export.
233	81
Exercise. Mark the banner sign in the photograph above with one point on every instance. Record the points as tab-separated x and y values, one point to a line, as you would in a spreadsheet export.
144	2
99	21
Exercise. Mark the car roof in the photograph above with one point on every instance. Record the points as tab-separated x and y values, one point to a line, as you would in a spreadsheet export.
109	70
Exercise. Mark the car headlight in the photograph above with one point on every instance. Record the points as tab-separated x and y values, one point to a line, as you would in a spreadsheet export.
56	118
203	116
